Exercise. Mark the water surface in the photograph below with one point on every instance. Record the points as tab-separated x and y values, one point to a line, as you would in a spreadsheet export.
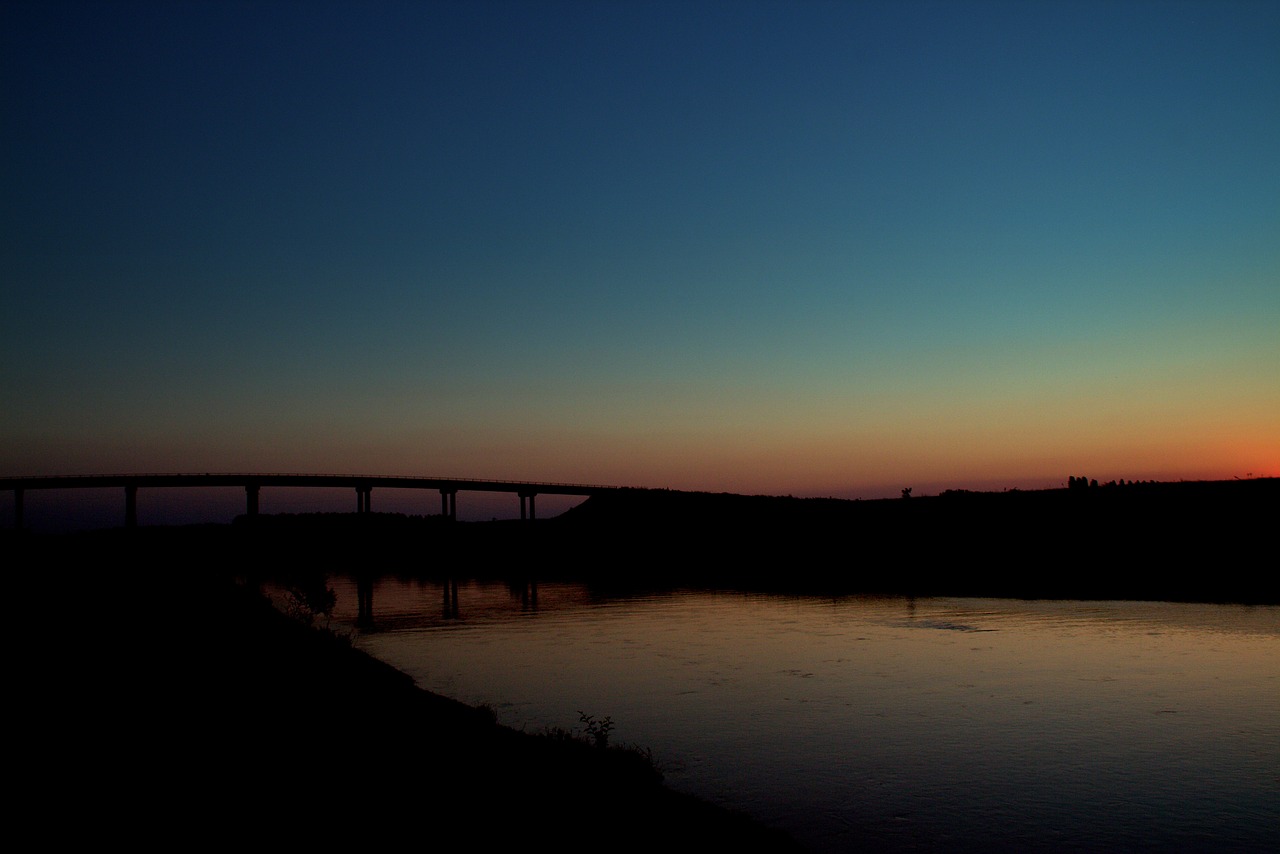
900	724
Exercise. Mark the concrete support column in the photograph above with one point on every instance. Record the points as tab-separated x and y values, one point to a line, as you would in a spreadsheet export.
531	514
251	498
449	504
363	503
130	506
17	509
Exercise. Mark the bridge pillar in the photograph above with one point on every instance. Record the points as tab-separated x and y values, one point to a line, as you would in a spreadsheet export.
17	509
362	498
251	498
449	504
130	506
532	514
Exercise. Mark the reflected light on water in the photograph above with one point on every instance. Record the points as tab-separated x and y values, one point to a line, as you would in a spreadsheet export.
901	724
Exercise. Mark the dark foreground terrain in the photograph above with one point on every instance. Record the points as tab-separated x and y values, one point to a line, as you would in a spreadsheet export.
161	703
180	708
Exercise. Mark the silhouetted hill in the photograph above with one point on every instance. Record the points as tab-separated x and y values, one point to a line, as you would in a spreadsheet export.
1186	540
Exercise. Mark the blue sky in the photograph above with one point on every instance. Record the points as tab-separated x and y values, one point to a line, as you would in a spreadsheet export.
808	248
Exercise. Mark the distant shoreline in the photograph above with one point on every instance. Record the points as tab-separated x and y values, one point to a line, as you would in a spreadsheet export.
1186	541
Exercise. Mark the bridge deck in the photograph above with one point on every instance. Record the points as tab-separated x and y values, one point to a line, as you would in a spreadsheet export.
353	481
252	482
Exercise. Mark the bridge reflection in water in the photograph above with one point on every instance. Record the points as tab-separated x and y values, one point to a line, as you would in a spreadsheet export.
522	589
253	483
525	590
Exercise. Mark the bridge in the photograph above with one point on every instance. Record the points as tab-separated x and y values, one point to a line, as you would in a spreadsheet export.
363	485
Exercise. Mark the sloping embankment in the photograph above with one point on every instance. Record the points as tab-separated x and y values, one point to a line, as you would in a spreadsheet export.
168	705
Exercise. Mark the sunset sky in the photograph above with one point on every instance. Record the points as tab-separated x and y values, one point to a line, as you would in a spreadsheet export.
792	248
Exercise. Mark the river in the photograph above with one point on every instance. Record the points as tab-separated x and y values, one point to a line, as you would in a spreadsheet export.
885	723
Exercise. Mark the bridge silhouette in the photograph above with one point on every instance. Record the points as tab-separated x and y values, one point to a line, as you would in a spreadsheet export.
252	483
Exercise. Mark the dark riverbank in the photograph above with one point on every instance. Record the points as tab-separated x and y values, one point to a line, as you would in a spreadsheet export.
244	725
1189	541
1156	541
